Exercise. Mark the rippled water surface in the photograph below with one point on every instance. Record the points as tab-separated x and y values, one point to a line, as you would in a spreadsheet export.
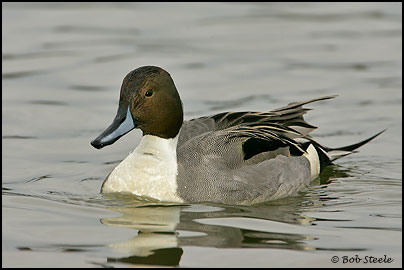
63	64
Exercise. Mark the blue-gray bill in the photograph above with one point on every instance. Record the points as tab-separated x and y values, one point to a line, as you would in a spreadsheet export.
122	124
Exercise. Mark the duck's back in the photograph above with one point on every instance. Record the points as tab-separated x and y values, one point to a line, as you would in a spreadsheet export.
243	157
212	167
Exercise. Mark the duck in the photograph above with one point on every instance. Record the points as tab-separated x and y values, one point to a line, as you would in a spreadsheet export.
230	157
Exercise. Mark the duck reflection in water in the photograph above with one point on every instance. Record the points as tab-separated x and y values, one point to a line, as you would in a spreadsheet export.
164	228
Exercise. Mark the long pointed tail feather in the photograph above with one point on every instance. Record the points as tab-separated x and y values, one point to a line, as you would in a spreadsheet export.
336	153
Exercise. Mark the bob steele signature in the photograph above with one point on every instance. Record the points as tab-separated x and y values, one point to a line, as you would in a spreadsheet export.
365	259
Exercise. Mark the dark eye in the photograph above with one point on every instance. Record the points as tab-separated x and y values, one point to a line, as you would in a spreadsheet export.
149	93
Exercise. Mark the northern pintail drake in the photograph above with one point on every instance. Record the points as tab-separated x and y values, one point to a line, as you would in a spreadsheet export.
230	157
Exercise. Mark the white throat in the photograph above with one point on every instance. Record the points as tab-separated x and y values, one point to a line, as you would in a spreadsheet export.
150	170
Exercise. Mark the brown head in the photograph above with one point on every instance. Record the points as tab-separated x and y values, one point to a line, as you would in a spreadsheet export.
149	101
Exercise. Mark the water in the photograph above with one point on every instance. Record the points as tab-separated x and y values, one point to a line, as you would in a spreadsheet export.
63	64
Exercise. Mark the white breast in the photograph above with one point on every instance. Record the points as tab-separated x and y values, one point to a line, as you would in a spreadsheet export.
150	170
